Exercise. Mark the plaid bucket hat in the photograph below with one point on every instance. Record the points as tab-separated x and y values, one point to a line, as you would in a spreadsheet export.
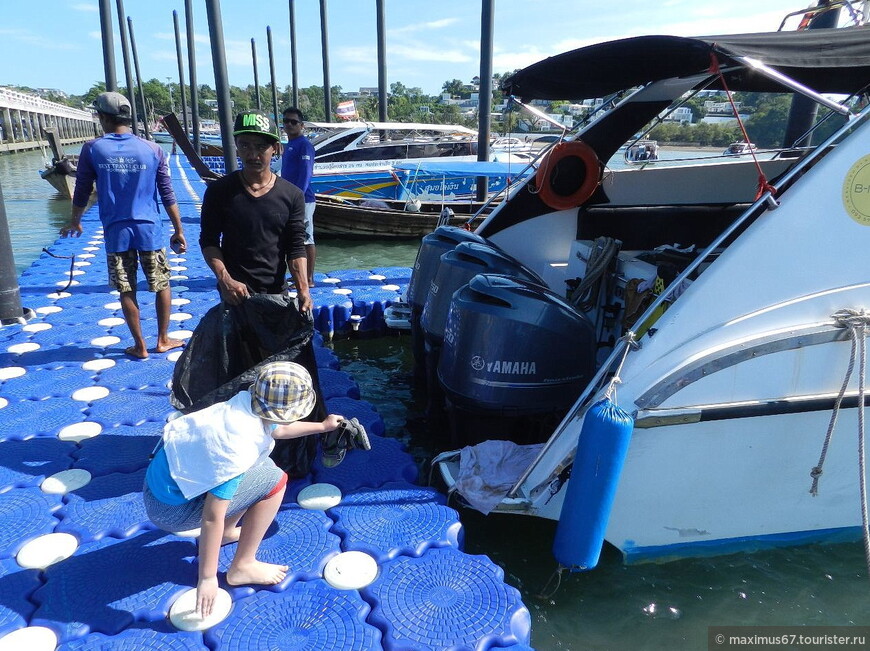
282	393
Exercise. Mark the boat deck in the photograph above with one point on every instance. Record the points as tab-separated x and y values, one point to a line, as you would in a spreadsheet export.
77	422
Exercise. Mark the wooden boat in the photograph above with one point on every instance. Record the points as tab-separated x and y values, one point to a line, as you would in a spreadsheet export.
61	173
383	219
173	126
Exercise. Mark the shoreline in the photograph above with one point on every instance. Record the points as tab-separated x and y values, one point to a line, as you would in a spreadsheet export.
690	148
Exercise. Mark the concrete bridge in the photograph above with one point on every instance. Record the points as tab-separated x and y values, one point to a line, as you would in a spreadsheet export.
24	117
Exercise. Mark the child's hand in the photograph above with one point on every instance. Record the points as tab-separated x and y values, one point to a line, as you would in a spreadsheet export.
331	422
206	593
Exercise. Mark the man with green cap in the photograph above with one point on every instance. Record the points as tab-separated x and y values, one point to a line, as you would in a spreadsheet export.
253	221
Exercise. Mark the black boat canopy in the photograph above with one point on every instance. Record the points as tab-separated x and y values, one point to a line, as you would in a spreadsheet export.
825	60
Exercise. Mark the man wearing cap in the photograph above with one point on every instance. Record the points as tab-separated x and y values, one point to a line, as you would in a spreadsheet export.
213	467
130	174
253	221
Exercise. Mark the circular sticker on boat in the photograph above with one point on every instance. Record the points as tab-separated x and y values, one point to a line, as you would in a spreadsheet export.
856	191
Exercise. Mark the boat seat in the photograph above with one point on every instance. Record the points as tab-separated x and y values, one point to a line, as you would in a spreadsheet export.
647	227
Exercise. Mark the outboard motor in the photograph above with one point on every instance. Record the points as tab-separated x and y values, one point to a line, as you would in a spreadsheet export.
433	246
515	357
457	267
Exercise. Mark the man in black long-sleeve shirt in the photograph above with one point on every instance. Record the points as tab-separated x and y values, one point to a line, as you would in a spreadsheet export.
252	221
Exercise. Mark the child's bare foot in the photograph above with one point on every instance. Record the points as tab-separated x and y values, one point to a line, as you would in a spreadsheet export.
168	344
231	535
137	352
258	573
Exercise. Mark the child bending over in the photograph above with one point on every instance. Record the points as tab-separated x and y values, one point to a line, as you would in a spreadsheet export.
213	467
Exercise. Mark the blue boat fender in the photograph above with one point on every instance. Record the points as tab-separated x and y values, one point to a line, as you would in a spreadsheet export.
601	451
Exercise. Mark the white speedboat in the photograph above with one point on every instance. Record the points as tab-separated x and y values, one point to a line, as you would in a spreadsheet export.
722	317
740	149
357	158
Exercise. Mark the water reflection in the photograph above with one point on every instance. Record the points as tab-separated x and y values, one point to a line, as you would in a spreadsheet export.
35	211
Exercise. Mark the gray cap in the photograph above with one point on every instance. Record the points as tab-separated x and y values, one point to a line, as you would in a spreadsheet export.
113	104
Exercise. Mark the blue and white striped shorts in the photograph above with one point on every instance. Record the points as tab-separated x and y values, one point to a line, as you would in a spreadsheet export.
258	482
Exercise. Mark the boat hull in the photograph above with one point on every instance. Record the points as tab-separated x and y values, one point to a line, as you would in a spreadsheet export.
63	183
335	217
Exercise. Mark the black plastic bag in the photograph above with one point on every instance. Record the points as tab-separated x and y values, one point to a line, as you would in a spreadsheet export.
227	350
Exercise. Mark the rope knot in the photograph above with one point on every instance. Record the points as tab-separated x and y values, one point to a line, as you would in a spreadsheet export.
849	318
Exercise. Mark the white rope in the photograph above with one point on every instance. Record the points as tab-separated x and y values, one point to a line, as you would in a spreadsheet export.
630	344
857	322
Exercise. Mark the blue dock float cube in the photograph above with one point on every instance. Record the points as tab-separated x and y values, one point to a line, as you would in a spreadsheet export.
25	514
396	519
28	463
16	586
108	584
446	599
308	615
299	538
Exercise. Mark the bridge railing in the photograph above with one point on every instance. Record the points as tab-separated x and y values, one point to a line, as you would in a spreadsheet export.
13	99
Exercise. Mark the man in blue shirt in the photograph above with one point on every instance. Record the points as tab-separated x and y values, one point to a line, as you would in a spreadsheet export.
297	166
130	173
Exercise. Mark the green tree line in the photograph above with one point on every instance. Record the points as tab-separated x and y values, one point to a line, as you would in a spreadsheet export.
404	104
766	113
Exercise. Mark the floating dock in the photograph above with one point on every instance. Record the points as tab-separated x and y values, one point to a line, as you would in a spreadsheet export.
82	568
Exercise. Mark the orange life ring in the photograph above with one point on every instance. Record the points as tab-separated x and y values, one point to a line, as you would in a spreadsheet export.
548	172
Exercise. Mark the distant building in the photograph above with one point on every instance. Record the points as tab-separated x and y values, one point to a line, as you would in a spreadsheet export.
364	91
46	92
721	108
682	114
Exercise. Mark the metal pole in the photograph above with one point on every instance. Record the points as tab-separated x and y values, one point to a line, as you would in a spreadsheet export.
274	84
191	65
382	63
10	294
108	45
484	94
327	88
138	76
180	71
294	99
128	73
222	84
803	110
256	76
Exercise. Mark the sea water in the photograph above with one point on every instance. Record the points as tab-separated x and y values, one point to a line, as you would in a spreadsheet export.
615	606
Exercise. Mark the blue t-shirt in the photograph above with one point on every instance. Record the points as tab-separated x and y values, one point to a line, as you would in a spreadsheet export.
297	165
164	488
130	173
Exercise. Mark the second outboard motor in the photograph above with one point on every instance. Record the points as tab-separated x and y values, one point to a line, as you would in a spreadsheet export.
458	267
432	247
514	360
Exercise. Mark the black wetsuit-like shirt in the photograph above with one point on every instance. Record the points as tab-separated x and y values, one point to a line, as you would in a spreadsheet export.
256	235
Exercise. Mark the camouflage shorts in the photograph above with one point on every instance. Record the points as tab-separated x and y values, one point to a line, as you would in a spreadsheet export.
123	266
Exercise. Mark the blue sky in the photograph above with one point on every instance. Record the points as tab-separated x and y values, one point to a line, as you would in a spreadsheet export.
56	43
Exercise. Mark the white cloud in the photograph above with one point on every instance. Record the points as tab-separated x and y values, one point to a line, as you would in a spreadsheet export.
426	54
420	27
32	39
82	6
